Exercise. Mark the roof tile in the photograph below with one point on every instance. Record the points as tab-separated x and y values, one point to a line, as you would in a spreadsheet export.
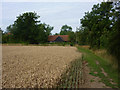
53	37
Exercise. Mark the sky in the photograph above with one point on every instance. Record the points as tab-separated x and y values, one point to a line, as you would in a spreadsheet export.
55	14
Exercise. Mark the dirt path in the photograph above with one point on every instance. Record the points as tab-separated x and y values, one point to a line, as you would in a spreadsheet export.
89	80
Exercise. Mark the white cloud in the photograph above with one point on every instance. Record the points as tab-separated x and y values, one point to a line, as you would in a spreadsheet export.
51	0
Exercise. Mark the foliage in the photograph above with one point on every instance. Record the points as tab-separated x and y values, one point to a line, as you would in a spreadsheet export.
7	38
1	32
97	25
114	41
82	36
56	34
72	37
65	30
27	28
101	28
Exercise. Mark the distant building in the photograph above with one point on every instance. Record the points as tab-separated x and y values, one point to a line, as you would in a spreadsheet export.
58	38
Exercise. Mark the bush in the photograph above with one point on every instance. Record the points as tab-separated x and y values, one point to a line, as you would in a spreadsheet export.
71	44
114	45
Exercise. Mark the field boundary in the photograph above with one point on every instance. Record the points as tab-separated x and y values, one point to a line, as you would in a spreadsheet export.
73	77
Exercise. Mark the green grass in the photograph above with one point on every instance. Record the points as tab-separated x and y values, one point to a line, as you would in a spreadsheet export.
72	77
91	58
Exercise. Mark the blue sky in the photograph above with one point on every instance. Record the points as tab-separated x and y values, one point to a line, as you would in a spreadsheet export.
53	13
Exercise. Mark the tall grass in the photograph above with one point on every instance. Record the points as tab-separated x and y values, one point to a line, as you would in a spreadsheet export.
111	73
108	57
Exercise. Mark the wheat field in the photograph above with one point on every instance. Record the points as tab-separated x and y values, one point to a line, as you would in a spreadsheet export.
35	66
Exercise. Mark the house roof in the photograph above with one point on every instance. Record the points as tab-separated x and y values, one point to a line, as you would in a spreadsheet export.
53	37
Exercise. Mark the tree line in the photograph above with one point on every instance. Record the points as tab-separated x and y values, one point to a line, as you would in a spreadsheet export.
100	28
28	29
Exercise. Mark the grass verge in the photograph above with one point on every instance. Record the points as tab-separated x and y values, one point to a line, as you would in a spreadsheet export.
111	79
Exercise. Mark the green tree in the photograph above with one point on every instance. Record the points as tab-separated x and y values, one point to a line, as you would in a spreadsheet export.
72	37
1	32
98	23
114	40
48	29
65	30
82	36
56	34
27	28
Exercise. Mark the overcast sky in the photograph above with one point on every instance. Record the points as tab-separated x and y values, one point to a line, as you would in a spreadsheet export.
55	14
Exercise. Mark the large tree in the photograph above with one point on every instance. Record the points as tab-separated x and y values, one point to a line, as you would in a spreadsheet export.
27	28
114	40
98	23
67	30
